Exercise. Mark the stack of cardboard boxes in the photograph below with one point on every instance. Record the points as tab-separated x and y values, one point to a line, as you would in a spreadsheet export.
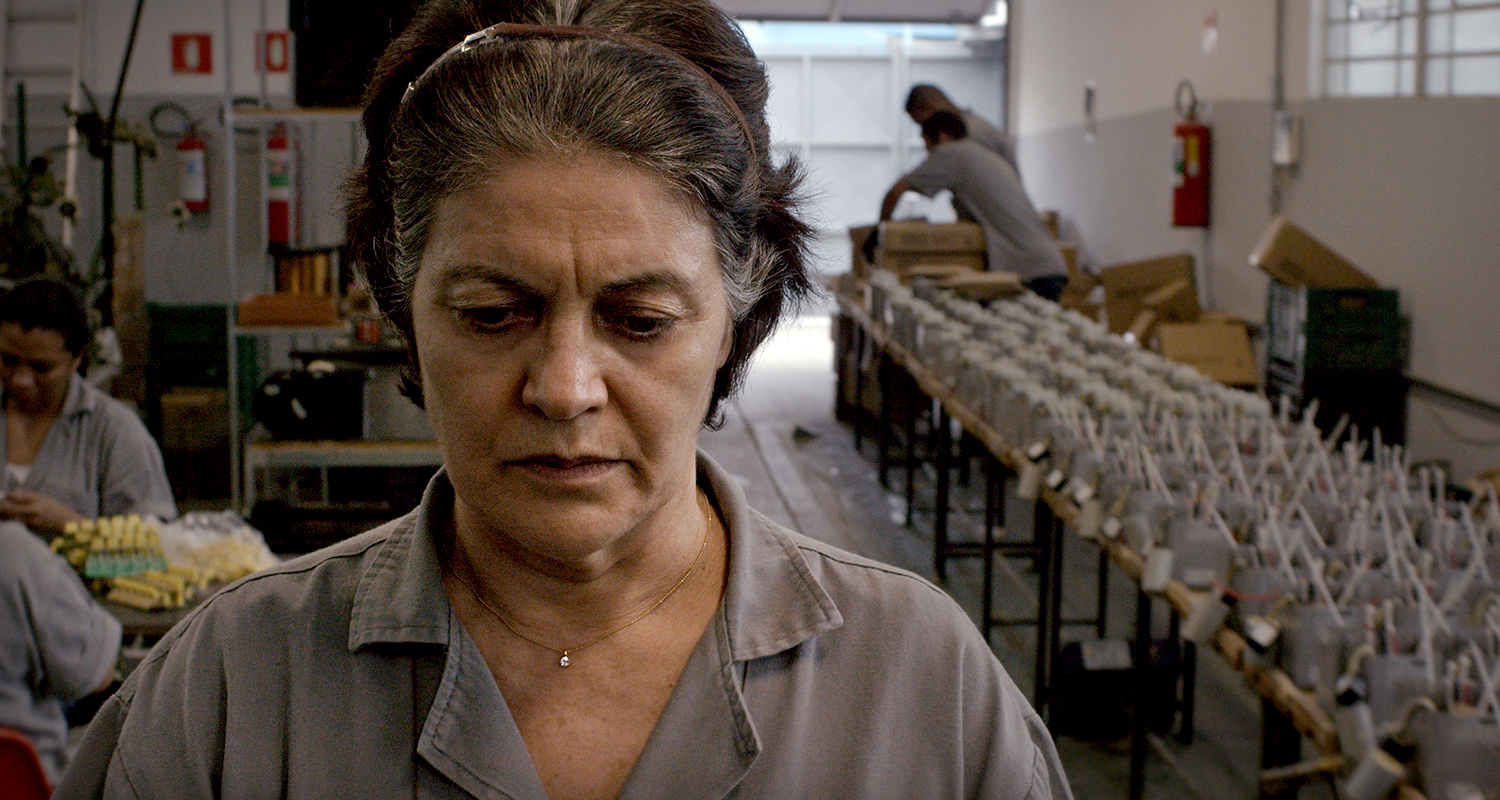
1155	302
951	254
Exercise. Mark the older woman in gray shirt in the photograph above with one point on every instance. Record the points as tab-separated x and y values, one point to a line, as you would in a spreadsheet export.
572	213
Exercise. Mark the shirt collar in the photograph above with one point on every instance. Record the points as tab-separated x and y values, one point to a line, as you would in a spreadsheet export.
772	601
400	597
78	399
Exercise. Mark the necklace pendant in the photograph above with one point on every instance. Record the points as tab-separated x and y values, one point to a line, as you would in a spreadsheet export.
564	661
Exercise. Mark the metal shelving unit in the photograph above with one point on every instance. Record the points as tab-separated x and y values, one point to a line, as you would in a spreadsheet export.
259	119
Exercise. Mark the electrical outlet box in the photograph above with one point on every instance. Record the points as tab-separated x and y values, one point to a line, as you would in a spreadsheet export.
1286	139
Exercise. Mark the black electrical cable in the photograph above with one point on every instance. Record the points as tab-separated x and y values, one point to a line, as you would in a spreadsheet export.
170	133
107	210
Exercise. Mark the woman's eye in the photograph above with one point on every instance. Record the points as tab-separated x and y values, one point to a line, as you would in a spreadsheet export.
492	318
643	326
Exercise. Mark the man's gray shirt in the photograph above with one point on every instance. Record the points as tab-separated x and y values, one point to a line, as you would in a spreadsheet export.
346	674
988	191
980	130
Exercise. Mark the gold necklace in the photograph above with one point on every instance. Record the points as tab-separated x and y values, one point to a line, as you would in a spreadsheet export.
564	654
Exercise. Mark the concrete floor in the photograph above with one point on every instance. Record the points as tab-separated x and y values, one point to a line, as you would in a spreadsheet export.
800	467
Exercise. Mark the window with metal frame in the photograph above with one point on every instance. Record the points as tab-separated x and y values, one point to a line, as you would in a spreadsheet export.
1410	48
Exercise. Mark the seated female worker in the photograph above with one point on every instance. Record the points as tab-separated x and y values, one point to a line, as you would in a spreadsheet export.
575	220
72	452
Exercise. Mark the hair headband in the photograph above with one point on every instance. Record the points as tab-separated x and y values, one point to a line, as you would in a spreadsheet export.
523	30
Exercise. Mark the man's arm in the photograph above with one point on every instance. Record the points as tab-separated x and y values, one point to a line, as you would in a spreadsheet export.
888	205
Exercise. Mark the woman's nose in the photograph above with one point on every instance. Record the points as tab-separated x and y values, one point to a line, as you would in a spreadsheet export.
563	379
20	378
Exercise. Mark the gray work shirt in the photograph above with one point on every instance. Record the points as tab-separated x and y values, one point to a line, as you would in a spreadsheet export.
98	459
346	674
56	644
980	130
988	191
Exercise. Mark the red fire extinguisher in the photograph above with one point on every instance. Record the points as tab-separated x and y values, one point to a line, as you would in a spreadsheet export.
1191	163
278	188
192	172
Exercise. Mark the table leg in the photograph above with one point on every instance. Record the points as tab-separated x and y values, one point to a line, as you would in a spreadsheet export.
909	388
883	420
1054	605
1142	681
861	344
940	494
1102	607
994	510
1041	525
1189	691
1281	744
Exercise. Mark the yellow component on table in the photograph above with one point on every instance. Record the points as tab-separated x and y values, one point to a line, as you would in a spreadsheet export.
134	599
143	587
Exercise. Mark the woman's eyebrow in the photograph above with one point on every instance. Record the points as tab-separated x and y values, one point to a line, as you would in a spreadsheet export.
663	281
478	273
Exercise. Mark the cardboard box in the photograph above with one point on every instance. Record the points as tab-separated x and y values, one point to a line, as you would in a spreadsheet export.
1292	256
194	419
284	308
911	244
936	272
908	265
1053	223
1079	301
858	264
906	236
1070	258
1220	350
1142	326
1127	287
983	287
1175	301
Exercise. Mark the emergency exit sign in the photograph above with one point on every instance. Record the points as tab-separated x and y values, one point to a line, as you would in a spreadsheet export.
192	53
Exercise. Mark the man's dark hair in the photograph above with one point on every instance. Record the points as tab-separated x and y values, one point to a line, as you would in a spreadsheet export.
944	122
49	304
926	97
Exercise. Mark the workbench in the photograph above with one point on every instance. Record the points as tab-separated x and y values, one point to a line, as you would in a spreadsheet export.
1290	712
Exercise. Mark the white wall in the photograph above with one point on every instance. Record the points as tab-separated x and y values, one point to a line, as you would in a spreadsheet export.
150	71
1408	189
1135	51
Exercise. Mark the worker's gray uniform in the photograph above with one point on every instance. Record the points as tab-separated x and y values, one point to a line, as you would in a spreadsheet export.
98	459
988	191
980	130
56	644
346	674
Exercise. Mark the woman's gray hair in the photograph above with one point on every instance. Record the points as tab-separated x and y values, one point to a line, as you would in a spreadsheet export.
655	105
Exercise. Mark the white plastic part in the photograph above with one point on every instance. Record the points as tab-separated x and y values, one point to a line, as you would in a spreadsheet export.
1374	777
1207	617
1356	727
1029	483
1158	570
1090	518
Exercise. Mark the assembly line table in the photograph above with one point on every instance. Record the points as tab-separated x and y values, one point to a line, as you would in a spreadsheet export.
1288	708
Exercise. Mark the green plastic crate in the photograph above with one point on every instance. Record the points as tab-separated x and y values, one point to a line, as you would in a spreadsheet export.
1316	329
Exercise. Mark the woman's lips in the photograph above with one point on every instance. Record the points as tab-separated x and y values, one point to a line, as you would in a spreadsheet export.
566	469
